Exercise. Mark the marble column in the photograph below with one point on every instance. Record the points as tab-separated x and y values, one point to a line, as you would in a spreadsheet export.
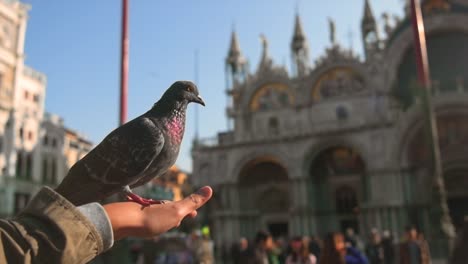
298	204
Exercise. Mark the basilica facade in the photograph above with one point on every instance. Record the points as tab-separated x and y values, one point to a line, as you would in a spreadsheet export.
341	142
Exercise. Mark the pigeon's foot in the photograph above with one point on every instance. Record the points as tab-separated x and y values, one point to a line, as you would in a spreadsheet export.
143	201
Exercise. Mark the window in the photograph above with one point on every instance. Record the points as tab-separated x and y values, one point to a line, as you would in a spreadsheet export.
54	142
29	163
273	125
26	95
46	140
346	200
341	113
21	133
19	165
6	30
54	172
36	98
74	145
21	200
44	175
30	135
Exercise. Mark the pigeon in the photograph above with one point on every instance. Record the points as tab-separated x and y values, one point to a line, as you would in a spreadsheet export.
134	153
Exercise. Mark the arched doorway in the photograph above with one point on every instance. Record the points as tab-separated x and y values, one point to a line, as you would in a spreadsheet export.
264	197
337	188
453	141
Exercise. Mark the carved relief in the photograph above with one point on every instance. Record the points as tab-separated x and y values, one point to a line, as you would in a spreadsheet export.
271	96
336	82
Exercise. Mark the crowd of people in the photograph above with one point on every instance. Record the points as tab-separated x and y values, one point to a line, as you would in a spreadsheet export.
334	248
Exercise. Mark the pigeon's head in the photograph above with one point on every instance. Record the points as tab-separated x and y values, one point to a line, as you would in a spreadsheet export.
183	91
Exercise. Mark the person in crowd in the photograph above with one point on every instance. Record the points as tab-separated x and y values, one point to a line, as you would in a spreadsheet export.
414	250
337	251
280	249
52	230
275	253
204	251
354	239
261	251
300	253
315	246
239	251
374	249
388	246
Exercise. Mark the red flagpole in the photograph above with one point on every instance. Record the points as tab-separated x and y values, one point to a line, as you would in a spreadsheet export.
420	44
124	64
440	211
420	50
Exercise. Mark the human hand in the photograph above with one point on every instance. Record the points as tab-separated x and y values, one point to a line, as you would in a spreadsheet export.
129	219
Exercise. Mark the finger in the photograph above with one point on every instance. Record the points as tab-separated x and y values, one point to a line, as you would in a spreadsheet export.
195	200
192	214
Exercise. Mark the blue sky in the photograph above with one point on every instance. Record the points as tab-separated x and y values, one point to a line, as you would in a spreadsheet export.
76	43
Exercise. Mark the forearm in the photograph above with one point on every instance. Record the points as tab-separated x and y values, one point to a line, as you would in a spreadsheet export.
50	230
126	219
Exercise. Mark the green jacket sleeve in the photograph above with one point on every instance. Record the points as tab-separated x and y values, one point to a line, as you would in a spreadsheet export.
52	230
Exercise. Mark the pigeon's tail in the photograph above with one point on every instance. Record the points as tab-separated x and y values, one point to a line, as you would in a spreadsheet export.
78	188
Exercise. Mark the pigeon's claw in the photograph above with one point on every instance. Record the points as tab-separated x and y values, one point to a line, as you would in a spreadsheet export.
143	201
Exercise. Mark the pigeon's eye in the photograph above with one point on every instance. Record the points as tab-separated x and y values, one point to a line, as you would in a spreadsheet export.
189	89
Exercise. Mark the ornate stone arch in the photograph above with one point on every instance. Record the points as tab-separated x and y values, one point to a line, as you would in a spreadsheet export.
276	156
317	148
331	167
271	96
335	58
414	120
263	192
338	81
253	85
414	154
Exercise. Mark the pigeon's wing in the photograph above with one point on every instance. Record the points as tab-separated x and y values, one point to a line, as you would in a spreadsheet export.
120	159
125	154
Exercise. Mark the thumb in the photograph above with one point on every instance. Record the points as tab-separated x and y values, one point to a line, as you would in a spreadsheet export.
195	200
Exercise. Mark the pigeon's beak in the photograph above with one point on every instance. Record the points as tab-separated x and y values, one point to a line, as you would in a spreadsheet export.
199	100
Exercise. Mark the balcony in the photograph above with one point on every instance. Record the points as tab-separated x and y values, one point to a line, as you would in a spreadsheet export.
223	139
206	142
53	118
35	75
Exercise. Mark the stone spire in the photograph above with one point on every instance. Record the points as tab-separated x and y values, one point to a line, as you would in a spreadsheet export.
299	49
369	30
299	39
235	61
368	17
235	57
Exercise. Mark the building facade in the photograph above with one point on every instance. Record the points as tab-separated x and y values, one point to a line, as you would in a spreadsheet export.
342	142
36	148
